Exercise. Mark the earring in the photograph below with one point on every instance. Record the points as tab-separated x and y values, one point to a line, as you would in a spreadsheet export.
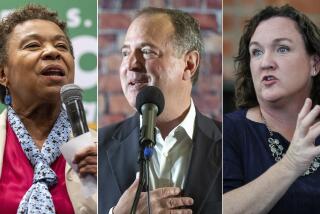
314	72
7	97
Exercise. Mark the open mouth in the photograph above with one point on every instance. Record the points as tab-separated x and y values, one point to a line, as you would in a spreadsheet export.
138	82
53	70
268	78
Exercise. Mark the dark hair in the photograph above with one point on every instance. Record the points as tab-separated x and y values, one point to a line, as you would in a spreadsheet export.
29	12
244	89
187	36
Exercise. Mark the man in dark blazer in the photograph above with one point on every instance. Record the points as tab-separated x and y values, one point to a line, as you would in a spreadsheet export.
162	48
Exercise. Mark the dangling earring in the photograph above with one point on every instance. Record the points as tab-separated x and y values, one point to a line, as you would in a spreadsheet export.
7	97
315	73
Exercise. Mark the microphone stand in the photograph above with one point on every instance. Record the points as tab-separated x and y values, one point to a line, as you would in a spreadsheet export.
145	153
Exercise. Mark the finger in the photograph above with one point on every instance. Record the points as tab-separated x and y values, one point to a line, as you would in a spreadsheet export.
89	160
166	192
178	202
88	151
305	109
314	132
315	125
134	185
309	119
88	170
180	211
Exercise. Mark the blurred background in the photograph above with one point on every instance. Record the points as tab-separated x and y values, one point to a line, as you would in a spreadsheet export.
114	19
235	13
81	18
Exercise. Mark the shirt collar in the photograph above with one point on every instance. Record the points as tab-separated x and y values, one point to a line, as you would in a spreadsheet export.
187	124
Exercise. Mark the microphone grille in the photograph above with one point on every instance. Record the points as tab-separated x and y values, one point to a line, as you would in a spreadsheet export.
70	92
150	94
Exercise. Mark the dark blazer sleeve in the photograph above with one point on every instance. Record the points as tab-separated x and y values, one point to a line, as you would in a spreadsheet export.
117	161
108	194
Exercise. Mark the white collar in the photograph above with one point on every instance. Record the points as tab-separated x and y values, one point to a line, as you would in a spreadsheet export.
187	124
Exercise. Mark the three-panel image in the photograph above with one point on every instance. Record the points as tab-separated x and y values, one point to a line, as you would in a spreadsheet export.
155	107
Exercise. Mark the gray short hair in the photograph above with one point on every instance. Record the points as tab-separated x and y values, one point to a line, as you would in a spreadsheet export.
187	36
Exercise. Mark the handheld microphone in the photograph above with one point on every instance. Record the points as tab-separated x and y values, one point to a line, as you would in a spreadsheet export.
72	98
149	103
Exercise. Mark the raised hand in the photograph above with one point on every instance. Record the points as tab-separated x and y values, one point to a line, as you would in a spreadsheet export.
302	149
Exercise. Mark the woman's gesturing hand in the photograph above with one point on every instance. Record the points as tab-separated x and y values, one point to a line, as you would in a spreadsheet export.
302	149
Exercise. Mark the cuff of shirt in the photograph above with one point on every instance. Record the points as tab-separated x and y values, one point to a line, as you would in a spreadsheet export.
111	210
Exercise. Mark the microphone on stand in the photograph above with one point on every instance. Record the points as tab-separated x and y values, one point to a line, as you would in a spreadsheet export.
150	104
72	98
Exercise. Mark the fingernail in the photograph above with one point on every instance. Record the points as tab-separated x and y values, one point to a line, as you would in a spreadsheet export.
190	201
176	191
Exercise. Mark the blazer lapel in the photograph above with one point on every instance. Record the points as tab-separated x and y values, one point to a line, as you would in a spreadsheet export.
205	165
123	153
3	120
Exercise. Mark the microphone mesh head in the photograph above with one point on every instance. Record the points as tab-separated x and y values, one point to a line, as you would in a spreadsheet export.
70	92
150	94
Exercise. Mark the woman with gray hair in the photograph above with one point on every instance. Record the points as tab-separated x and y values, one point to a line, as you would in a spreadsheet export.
36	60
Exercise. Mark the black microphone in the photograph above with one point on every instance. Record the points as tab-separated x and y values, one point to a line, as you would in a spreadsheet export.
150	103
72	98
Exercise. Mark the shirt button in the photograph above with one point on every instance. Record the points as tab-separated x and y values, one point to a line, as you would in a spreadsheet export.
165	154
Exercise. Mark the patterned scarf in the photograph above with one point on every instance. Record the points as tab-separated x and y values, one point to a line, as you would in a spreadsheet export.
38	198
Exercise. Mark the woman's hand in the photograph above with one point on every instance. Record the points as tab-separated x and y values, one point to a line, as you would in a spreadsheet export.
261	194
302	149
87	161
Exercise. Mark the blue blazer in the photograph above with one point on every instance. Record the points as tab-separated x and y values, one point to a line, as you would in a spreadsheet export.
118	155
